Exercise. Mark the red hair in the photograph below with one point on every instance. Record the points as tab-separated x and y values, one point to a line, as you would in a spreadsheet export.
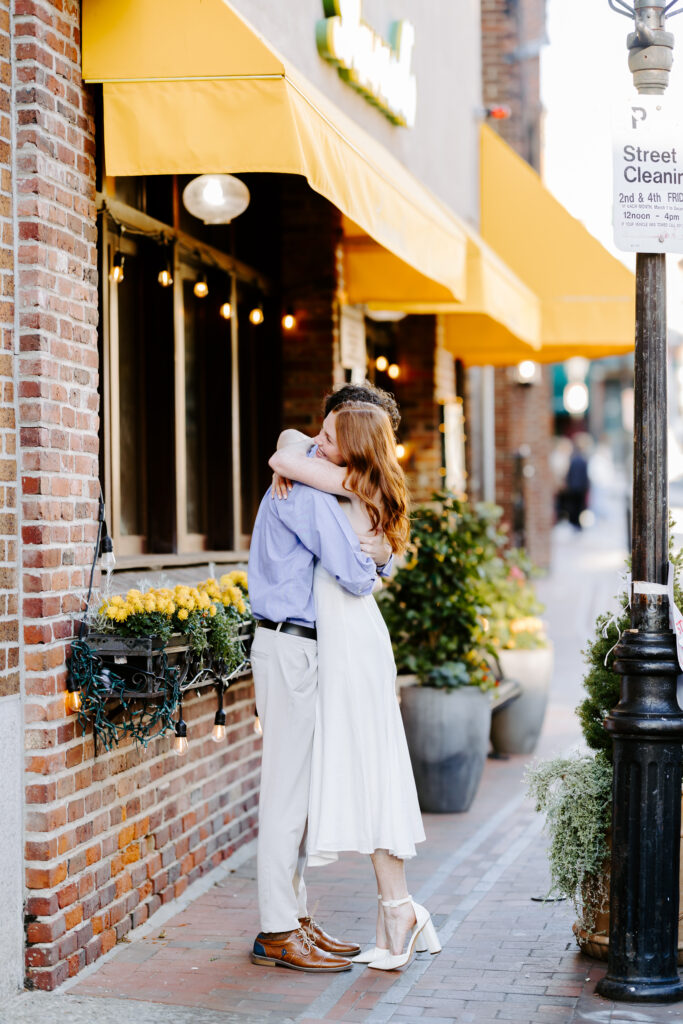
367	445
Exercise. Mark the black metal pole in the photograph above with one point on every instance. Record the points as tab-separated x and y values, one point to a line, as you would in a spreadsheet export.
647	724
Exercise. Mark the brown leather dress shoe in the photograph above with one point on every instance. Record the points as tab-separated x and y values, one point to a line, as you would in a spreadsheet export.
325	941
298	952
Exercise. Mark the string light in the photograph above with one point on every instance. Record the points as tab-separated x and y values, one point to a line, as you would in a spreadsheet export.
381	363
180	743
116	272
256	315
201	287
400	451
73	697
165	277
258	729
226	311
289	320
218	731
394	371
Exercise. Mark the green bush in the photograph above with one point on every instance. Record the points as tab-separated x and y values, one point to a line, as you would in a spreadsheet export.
435	605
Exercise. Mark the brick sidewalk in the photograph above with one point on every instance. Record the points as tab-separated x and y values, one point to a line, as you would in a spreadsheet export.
505	957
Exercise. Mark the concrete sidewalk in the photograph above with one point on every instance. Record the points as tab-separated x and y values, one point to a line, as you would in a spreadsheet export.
506	957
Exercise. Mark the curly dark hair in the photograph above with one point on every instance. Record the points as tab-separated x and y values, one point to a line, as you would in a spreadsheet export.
365	392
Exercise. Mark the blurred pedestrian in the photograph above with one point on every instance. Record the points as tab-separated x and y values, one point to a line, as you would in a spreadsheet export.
577	484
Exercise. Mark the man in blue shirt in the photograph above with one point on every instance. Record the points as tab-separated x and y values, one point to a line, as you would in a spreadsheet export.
289	537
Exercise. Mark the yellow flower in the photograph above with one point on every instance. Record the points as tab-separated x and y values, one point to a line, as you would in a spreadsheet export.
212	610
182	614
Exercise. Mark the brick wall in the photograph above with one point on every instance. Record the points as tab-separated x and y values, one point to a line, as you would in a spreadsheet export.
9	599
416	395
512	31
109	838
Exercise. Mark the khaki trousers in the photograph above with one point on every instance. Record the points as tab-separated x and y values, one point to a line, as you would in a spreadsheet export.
285	669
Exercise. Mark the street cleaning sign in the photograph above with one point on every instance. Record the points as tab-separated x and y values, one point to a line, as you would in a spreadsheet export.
648	176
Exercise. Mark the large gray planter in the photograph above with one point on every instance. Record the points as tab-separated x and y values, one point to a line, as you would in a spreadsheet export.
515	729
448	738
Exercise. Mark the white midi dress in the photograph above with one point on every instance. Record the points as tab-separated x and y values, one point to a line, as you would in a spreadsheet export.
363	795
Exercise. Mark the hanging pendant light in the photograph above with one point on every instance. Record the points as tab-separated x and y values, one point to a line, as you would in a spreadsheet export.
116	272
256	315
216	198
201	287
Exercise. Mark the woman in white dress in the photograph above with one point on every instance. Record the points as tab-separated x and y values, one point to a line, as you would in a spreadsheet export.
363	795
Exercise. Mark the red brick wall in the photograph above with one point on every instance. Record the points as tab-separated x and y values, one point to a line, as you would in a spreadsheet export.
9	625
511	37
108	838
416	395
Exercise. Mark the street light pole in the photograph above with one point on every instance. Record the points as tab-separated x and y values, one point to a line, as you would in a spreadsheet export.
647	724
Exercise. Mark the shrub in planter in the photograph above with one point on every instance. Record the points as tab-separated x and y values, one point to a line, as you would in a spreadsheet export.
523	653
434	608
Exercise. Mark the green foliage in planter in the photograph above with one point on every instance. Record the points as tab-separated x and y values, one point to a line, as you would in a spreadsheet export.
575	794
434	605
514	622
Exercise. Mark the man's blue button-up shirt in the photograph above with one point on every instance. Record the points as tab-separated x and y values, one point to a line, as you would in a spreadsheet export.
289	536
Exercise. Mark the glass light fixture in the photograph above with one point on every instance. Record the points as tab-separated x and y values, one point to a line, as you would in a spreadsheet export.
226	311
218	731
180	743
116	272
394	370
201	287
73	697
107	557
216	198
256	315
257	726
289	320
165	276
381	363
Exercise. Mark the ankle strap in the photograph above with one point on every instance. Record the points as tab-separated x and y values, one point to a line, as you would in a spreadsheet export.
397	903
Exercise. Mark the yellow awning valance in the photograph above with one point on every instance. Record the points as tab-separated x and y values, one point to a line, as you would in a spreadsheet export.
587	296
191	88
499	322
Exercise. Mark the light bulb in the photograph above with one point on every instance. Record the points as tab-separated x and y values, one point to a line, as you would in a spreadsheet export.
394	371
256	316
73	700
180	745
226	311
400	451
212	193
201	288
116	272
381	363
108	561
165	278
289	320
257	726
218	733
526	370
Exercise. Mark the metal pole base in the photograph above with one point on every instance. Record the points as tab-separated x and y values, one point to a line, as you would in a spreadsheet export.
646	728
642	991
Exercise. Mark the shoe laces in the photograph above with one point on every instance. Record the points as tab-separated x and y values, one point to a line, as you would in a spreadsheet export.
306	941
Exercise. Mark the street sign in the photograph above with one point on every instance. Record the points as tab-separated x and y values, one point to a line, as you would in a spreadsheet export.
648	176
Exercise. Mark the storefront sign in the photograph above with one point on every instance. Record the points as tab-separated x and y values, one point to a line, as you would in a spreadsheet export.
353	353
378	69
648	177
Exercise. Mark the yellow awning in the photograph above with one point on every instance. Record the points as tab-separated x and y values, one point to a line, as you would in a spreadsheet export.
499	322
191	88
587	296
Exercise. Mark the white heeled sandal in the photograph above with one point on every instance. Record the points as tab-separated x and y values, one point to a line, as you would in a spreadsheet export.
423	929
379	953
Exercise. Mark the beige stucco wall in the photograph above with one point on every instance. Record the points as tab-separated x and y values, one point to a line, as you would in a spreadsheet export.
441	150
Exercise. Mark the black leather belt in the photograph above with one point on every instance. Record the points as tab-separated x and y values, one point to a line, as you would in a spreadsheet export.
293	628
